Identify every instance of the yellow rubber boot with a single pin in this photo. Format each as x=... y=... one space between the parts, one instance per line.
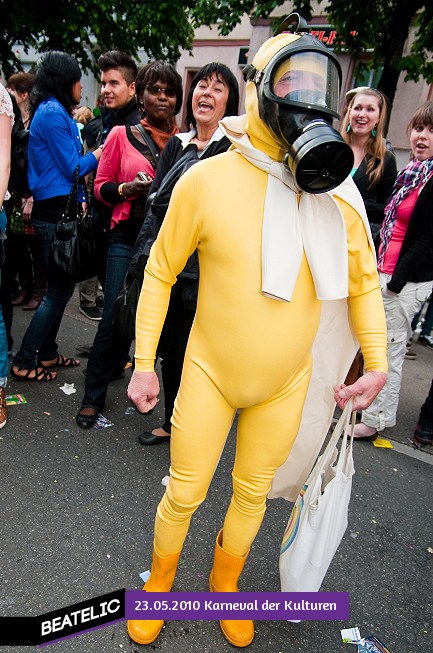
x=161 y=579
x=224 y=578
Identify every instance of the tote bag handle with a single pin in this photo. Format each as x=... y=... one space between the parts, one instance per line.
x=340 y=430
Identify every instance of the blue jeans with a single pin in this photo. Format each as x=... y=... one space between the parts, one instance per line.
x=39 y=342
x=109 y=352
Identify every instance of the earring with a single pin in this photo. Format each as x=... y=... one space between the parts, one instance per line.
x=374 y=132
x=348 y=128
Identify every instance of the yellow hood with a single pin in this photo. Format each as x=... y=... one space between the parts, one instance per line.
x=260 y=135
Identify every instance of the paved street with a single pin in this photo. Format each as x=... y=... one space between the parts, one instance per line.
x=77 y=510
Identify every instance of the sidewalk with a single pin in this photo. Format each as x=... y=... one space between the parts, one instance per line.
x=78 y=509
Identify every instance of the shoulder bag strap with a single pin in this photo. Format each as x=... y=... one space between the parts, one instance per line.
x=150 y=144
x=72 y=196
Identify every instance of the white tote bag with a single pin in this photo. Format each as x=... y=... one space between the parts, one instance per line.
x=319 y=517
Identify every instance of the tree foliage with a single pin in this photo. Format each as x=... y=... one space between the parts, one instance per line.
x=383 y=27
x=87 y=28
x=162 y=27
x=378 y=26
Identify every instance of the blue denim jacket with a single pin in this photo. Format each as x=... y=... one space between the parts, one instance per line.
x=54 y=152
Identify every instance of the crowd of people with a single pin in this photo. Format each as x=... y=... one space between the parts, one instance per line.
x=215 y=264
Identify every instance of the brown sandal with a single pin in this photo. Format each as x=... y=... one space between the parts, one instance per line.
x=40 y=374
x=60 y=361
x=3 y=408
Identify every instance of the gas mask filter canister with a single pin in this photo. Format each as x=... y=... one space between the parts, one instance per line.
x=318 y=157
x=298 y=95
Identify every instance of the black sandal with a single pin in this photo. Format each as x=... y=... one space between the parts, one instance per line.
x=41 y=374
x=61 y=361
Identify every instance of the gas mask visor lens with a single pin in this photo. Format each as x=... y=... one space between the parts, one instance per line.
x=306 y=79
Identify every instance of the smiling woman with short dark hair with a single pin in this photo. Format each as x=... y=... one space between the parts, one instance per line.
x=214 y=93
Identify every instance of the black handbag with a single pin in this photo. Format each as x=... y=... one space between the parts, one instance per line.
x=75 y=240
x=125 y=306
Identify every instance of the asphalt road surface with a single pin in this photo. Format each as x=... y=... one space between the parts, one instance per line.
x=77 y=511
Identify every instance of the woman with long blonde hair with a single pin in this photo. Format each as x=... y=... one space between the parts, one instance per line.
x=374 y=169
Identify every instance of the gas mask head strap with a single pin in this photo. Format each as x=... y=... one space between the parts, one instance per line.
x=293 y=19
x=250 y=73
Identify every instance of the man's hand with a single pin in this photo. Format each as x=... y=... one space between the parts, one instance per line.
x=363 y=391
x=143 y=390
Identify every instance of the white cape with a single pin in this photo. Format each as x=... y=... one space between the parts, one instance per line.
x=334 y=348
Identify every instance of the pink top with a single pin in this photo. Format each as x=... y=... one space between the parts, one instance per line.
x=404 y=212
x=119 y=163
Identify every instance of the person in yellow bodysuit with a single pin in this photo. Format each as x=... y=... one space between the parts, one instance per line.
x=271 y=253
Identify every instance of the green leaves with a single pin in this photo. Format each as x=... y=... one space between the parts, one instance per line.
x=86 y=29
x=163 y=27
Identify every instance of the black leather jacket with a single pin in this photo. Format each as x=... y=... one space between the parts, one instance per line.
x=172 y=155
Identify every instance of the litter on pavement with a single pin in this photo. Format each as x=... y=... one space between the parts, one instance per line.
x=102 y=422
x=12 y=400
x=383 y=443
x=68 y=388
x=369 y=644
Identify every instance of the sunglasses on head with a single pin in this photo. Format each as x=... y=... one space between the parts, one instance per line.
x=158 y=90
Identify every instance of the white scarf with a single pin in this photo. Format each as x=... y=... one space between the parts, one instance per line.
x=296 y=221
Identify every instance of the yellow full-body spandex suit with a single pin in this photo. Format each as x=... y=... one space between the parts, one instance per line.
x=246 y=351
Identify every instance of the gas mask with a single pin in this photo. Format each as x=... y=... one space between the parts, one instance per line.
x=298 y=95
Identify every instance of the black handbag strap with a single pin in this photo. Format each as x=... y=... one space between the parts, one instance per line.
x=149 y=142
x=72 y=196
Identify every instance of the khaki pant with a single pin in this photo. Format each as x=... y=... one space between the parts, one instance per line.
x=88 y=292
x=400 y=310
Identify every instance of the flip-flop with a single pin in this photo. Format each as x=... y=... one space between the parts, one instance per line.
x=41 y=374
x=61 y=361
